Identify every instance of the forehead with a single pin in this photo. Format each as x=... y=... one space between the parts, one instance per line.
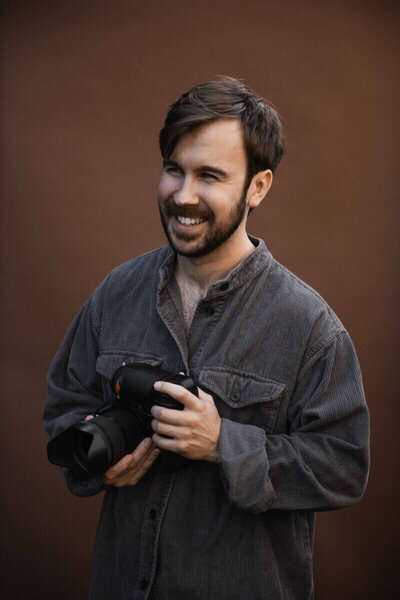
x=219 y=143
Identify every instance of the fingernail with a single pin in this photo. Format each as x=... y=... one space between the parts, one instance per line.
x=147 y=442
x=157 y=385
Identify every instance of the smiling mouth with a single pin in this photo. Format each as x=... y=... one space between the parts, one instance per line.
x=188 y=221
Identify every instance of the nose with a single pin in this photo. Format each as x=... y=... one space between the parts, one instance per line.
x=186 y=194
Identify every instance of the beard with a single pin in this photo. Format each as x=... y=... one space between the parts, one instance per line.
x=215 y=235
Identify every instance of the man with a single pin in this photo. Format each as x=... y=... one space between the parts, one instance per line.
x=279 y=429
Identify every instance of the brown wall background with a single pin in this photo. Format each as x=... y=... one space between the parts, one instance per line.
x=84 y=89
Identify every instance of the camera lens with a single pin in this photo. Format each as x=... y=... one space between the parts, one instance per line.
x=86 y=449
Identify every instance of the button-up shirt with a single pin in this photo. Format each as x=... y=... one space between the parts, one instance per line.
x=294 y=434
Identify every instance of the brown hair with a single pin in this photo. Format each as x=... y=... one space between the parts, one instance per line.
x=227 y=98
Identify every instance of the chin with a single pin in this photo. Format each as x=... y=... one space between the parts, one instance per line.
x=187 y=249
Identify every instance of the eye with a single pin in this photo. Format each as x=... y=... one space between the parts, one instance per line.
x=173 y=170
x=209 y=176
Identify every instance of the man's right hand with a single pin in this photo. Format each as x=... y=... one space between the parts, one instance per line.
x=131 y=468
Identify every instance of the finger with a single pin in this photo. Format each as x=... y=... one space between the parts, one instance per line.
x=170 y=415
x=143 y=449
x=178 y=392
x=204 y=396
x=133 y=471
x=119 y=468
x=171 y=444
x=172 y=431
x=145 y=466
x=130 y=460
x=132 y=476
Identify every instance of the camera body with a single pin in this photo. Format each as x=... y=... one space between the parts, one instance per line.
x=89 y=448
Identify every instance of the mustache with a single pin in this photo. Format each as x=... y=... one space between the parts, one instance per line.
x=172 y=209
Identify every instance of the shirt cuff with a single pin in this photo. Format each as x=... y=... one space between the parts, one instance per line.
x=87 y=487
x=244 y=466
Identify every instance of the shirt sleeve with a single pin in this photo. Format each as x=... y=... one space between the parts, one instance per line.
x=74 y=388
x=322 y=462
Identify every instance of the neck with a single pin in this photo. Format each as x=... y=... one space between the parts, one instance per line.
x=204 y=270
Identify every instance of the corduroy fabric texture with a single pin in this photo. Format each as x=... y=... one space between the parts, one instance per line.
x=294 y=437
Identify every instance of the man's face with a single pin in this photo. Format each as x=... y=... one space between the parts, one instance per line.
x=201 y=195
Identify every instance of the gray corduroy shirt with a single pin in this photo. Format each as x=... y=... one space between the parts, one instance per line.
x=294 y=435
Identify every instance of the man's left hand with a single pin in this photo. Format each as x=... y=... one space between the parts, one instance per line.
x=193 y=431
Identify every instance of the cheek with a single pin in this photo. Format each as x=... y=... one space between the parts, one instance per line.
x=209 y=194
x=216 y=200
x=167 y=187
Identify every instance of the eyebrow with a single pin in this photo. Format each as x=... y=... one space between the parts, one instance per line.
x=208 y=168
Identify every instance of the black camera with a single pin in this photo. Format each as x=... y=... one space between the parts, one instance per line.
x=89 y=448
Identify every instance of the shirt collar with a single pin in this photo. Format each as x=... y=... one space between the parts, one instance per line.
x=246 y=270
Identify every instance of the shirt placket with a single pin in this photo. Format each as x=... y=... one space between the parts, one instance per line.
x=155 y=508
x=163 y=481
x=204 y=324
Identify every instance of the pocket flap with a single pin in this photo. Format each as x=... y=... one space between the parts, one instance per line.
x=239 y=388
x=108 y=362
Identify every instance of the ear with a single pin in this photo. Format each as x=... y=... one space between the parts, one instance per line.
x=259 y=187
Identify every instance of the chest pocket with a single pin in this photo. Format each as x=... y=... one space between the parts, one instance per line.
x=108 y=362
x=243 y=397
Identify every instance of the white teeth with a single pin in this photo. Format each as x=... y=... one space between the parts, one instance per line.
x=188 y=221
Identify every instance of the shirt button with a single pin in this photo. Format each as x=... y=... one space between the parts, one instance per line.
x=235 y=397
x=143 y=583
x=152 y=514
x=224 y=286
x=209 y=310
